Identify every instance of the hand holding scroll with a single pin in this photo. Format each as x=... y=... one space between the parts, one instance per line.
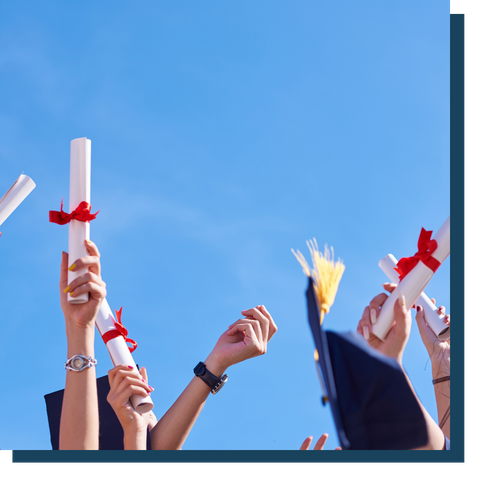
x=438 y=349
x=398 y=335
x=82 y=315
x=124 y=382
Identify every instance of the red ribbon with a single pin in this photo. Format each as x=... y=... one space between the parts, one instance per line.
x=81 y=213
x=426 y=248
x=119 y=330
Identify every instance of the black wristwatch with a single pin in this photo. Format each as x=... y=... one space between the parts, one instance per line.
x=215 y=383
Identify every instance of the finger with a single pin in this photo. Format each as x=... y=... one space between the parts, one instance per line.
x=250 y=339
x=96 y=291
x=376 y=304
x=234 y=327
x=115 y=371
x=261 y=319
x=123 y=396
x=63 y=280
x=244 y=327
x=400 y=316
x=389 y=287
x=446 y=320
x=365 y=323
x=338 y=448
x=89 y=262
x=378 y=300
x=272 y=325
x=85 y=283
x=321 y=442
x=84 y=278
x=426 y=333
x=306 y=443
x=433 y=301
x=92 y=248
x=130 y=389
x=132 y=380
x=441 y=310
x=144 y=375
x=400 y=308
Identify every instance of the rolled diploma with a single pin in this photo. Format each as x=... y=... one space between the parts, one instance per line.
x=15 y=196
x=120 y=354
x=413 y=284
x=79 y=190
x=432 y=317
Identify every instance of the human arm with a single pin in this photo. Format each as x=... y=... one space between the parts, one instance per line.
x=79 y=427
x=124 y=381
x=244 y=339
x=393 y=346
x=439 y=354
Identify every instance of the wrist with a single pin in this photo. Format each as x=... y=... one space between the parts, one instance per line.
x=439 y=367
x=83 y=347
x=215 y=365
x=134 y=439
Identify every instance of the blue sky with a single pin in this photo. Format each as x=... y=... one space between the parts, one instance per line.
x=223 y=135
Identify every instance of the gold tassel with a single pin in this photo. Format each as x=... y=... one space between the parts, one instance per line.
x=326 y=275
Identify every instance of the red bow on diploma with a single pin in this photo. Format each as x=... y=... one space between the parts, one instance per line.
x=120 y=330
x=426 y=248
x=81 y=213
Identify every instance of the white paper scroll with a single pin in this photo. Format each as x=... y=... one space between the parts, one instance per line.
x=15 y=196
x=432 y=317
x=120 y=354
x=79 y=190
x=413 y=284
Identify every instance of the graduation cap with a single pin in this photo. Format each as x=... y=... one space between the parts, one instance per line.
x=110 y=429
x=372 y=404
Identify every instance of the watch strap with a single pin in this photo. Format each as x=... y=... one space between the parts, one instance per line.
x=215 y=383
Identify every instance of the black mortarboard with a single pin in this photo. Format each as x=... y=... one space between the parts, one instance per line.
x=110 y=429
x=372 y=404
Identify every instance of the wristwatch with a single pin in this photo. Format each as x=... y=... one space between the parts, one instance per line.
x=79 y=362
x=215 y=383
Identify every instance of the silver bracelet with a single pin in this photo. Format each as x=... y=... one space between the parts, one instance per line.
x=79 y=362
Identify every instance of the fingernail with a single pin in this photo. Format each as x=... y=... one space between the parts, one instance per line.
x=71 y=294
x=366 y=332
x=88 y=241
x=70 y=268
x=402 y=299
x=143 y=380
x=130 y=367
x=66 y=290
x=151 y=388
x=373 y=316
x=419 y=308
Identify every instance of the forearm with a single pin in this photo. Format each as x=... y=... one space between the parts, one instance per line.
x=172 y=430
x=79 y=428
x=174 y=427
x=435 y=436
x=442 y=392
x=134 y=440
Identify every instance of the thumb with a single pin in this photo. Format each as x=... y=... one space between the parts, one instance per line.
x=400 y=310
x=426 y=333
x=63 y=280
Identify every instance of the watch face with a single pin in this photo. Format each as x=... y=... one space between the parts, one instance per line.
x=77 y=363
